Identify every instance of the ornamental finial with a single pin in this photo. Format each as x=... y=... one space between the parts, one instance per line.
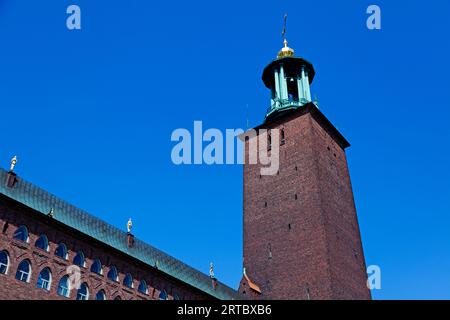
x=13 y=164
x=285 y=51
x=283 y=33
x=129 y=225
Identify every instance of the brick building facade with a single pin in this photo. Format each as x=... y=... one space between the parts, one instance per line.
x=49 y=234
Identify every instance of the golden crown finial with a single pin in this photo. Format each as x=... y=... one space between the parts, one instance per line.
x=285 y=51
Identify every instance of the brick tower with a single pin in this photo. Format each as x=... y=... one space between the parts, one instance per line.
x=301 y=233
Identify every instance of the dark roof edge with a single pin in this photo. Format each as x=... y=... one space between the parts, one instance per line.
x=279 y=117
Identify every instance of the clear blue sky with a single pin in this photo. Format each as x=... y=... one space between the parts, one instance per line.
x=89 y=114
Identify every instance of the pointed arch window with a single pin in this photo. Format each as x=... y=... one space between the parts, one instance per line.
x=4 y=262
x=42 y=242
x=97 y=267
x=83 y=292
x=24 y=271
x=100 y=295
x=61 y=251
x=143 y=287
x=64 y=287
x=21 y=234
x=163 y=295
x=44 y=279
x=79 y=259
x=112 y=274
x=128 y=281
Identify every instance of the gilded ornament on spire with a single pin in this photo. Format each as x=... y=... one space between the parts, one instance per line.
x=285 y=51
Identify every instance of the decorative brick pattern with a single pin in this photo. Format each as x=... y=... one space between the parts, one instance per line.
x=13 y=214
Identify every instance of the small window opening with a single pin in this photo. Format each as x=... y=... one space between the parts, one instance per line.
x=5 y=227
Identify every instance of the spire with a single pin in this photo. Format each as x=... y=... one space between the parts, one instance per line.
x=288 y=77
x=285 y=51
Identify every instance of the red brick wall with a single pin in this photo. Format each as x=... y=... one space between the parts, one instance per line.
x=16 y=215
x=301 y=235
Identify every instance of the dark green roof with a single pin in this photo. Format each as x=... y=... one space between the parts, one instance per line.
x=42 y=201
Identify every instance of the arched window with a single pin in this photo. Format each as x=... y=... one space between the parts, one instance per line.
x=42 y=243
x=83 y=292
x=100 y=295
x=163 y=295
x=4 y=262
x=118 y=298
x=21 y=234
x=61 y=251
x=64 y=287
x=97 y=267
x=24 y=271
x=79 y=259
x=143 y=287
x=128 y=281
x=112 y=274
x=282 y=136
x=45 y=279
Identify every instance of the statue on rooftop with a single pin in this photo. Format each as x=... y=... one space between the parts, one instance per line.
x=13 y=163
x=129 y=225
x=211 y=270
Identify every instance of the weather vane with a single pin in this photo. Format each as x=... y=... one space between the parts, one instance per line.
x=283 y=33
